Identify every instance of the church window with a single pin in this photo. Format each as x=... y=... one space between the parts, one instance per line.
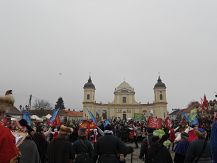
x=88 y=96
x=161 y=97
x=124 y=99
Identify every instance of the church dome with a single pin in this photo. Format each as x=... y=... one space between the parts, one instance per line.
x=159 y=84
x=124 y=86
x=89 y=84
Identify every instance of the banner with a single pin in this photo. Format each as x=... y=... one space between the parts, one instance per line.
x=139 y=117
x=154 y=122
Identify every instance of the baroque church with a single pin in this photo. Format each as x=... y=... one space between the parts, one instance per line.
x=124 y=105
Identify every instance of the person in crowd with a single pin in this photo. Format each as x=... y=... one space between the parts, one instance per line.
x=213 y=141
x=28 y=148
x=8 y=150
x=108 y=148
x=60 y=149
x=40 y=141
x=158 y=152
x=181 y=148
x=82 y=148
x=146 y=143
x=199 y=150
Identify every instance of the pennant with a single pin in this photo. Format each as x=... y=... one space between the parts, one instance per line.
x=26 y=116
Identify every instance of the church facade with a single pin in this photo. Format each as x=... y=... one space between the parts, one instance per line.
x=124 y=105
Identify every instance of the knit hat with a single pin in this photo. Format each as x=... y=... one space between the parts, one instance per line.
x=64 y=130
x=184 y=135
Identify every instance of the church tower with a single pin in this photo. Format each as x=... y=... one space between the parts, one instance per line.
x=89 y=92
x=160 y=99
x=160 y=91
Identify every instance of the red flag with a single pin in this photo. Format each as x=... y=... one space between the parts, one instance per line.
x=168 y=122
x=56 y=122
x=154 y=122
x=205 y=102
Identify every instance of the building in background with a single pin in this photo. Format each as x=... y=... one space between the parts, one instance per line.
x=124 y=105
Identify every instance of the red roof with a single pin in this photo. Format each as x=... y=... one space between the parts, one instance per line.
x=69 y=113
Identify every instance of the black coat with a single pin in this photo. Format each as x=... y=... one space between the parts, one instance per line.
x=158 y=153
x=59 y=151
x=107 y=149
x=83 y=151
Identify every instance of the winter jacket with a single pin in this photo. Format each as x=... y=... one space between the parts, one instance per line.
x=194 y=151
x=158 y=153
x=107 y=149
x=83 y=151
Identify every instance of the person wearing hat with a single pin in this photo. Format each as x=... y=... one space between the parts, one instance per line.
x=199 y=150
x=8 y=150
x=28 y=148
x=60 y=149
x=82 y=148
x=181 y=148
x=157 y=152
x=109 y=148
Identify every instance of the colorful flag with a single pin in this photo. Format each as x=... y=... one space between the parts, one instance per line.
x=57 y=122
x=185 y=116
x=139 y=117
x=26 y=116
x=92 y=116
x=55 y=113
x=154 y=122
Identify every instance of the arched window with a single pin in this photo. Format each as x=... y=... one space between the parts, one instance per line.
x=88 y=96
x=161 y=97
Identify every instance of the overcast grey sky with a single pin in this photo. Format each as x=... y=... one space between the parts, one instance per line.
x=112 y=39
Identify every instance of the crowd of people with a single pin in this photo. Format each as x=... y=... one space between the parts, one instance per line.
x=43 y=143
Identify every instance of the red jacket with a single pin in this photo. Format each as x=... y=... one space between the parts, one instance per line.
x=8 y=149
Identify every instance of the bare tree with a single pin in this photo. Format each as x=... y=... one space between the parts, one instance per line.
x=41 y=104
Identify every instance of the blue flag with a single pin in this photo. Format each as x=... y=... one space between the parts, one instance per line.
x=26 y=116
x=194 y=121
x=55 y=112
x=92 y=116
x=185 y=116
x=107 y=122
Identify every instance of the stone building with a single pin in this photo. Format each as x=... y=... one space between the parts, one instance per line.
x=124 y=104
